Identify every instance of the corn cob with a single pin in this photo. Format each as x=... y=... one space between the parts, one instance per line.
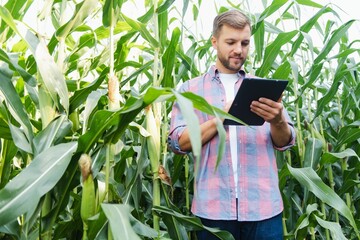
x=88 y=201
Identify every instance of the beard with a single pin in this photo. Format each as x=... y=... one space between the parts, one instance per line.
x=231 y=66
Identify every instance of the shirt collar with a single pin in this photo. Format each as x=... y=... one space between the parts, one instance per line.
x=214 y=73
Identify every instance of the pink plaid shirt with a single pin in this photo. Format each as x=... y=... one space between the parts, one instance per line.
x=258 y=191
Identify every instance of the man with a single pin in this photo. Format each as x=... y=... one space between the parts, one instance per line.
x=242 y=196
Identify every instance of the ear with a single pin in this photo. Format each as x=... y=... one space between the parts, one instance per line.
x=214 y=42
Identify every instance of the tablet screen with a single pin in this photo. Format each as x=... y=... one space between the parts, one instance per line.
x=252 y=89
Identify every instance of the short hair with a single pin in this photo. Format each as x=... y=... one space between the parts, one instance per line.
x=233 y=18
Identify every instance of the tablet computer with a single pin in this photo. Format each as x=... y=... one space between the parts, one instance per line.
x=252 y=89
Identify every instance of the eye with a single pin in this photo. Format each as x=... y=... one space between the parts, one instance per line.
x=245 y=43
x=230 y=43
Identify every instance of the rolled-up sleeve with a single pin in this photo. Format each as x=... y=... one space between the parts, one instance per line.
x=177 y=126
x=291 y=142
x=173 y=140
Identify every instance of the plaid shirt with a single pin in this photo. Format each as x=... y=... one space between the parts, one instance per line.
x=257 y=184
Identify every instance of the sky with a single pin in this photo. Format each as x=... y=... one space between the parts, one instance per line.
x=347 y=9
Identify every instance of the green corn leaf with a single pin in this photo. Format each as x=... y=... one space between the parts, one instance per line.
x=23 y=192
x=334 y=227
x=275 y=5
x=313 y=74
x=142 y=229
x=335 y=38
x=222 y=142
x=82 y=11
x=165 y=6
x=345 y=53
x=329 y=96
x=140 y=27
x=187 y=62
x=12 y=228
x=163 y=28
x=20 y=139
x=307 y=27
x=50 y=72
x=168 y=59
x=142 y=69
x=103 y=32
x=330 y=158
x=313 y=151
x=15 y=105
x=259 y=37
x=304 y=221
x=309 y=3
x=192 y=223
x=184 y=9
x=201 y=104
x=7 y=19
x=186 y=107
x=8 y=151
x=17 y=9
x=272 y=51
x=104 y=120
x=119 y=219
x=54 y=132
x=309 y=179
x=12 y=61
x=80 y=96
x=91 y=102
x=348 y=135
x=174 y=228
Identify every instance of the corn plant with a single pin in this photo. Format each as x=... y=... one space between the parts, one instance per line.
x=84 y=114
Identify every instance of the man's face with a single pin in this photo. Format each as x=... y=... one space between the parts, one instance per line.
x=232 y=46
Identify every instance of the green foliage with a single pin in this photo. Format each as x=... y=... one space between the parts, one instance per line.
x=54 y=106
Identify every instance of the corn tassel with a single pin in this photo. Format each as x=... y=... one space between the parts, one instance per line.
x=88 y=201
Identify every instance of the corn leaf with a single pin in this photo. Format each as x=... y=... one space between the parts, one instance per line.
x=140 y=27
x=330 y=158
x=187 y=110
x=334 y=227
x=51 y=75
x=80 y=96
x=335 y=38
x=15 y=105
x=164 y=6
x=118 y=121
x=273 y=50
x=348 y=135
x=23 y=192
x=168 y=59
x=82 y=11
x=309 y=3
x=54 y=132
x=313 y=151
x=259 y=37
x=192 y=223
x=8 y=151
x=28 y=78
x=274 y=7
x=307 y=27
x=119 y=220
x=14 y=10
x=309 y=179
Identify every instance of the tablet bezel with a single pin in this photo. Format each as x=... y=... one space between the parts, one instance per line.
x=252 y=89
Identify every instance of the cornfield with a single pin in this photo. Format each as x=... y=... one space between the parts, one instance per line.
x=85 y=100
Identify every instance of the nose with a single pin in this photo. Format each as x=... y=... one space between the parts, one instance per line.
x=238 y=48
